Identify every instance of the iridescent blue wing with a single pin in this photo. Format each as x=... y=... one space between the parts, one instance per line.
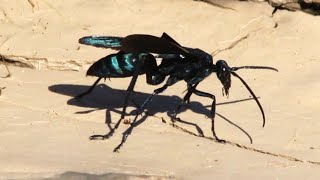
x=102 y=41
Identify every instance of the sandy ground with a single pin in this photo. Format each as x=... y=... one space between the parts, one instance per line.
x=44 y=131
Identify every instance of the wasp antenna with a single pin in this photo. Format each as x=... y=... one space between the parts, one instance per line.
x=253 y=67
x=253 y=95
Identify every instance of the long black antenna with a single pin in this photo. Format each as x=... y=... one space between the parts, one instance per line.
x=253 y=67
x=253 y=95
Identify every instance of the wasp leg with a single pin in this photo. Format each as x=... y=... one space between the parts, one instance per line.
x=213 y=110
x=186 y=100
x=134 y=123
x=128 y=132
x=133 y=81
x=153 y=76
x=90 y=89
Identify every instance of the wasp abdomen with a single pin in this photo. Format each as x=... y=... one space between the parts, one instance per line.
x=113 y=65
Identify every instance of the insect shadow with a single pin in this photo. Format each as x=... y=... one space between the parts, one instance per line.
x=105 y=97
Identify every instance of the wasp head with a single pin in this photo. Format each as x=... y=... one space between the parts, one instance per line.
x=223 y=73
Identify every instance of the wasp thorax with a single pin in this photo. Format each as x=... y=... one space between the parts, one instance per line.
x=223 y=73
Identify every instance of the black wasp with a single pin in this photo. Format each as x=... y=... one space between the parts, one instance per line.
x=135 y=57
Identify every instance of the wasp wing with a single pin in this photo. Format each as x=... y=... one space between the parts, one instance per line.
x=169 y=38
x=142 y=43
x=112 y=42
x=169 y=56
